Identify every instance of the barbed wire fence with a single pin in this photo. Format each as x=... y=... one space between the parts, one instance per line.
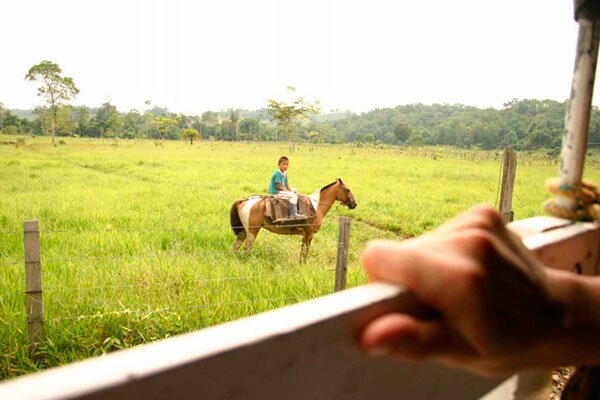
x=34 y=303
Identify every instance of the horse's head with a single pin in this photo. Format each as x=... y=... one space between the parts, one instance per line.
x=345 y=195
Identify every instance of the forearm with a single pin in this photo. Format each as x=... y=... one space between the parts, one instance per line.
x=578 y=332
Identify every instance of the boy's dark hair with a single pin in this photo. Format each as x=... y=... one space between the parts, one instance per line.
x=282 y=159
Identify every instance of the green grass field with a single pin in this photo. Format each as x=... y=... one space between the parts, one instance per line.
x=135 y=236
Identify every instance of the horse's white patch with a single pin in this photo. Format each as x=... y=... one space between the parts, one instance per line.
x=245 y=211
x=315 y=198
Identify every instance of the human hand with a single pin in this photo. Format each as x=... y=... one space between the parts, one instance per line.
x=498 y=308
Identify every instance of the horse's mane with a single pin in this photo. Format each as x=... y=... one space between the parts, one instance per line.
x=326 y=186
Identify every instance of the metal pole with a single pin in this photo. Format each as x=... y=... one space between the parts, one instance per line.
x=577 y=120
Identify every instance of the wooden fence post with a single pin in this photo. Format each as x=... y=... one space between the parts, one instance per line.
x=341 y=265
x=33 y=282
x=509 y=168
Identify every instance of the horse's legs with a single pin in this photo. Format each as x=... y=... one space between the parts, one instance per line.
x=250 y=238
x=305 y=246
x=238 y=241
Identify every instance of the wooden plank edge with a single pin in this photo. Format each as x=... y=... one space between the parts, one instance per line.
x=101 y=373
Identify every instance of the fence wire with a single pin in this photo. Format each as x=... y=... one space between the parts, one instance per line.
x=193 y=280
x=240 y=252
x=201 y=281
x=2 y=232
x=168 y=309
x=187 y=229
x=54 y=291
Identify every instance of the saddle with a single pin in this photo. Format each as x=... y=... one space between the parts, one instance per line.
x=278 y=213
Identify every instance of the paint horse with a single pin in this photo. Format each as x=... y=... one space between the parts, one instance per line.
x=248 y=216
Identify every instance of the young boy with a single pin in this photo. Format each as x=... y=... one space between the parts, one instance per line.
x=279 y=185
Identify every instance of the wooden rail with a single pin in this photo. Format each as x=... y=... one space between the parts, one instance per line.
x=307 y=350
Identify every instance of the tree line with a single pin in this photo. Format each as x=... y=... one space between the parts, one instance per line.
x=523 y=123
x=527 y=124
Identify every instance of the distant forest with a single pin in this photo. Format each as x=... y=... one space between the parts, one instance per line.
x=525 y=124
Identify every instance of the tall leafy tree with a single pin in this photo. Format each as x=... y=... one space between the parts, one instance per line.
x=54 y=88
x=287 y=114
x=83 y=120
x=234 y=117
x=167 y=127
x=190 y=134
x=3 y=113
x=133 y=124
x=402 y=131
x=107 y=120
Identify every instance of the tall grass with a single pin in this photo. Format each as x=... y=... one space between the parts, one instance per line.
x=135 y=236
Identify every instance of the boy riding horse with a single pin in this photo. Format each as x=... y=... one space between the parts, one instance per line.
x=280 y=186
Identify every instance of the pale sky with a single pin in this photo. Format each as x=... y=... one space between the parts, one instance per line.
x=192 y=56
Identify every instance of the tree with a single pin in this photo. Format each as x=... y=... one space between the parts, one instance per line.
x=10 y=130
x=107 y=120
x=286 y=114
x=250 y=127
x=415 y=140
x=64 y=123
x=402 y=131
x=191 y=134
x=210 y=124
x=83 y=121
x=234 y=116
x=167 y=127
x=54 y=88
x=3 y=113
x=133 y=124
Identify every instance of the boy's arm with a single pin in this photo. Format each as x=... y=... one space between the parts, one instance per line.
x=280 y=187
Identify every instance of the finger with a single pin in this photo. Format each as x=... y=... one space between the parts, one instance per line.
x=487 y=219
x=419 y=270
x=411 y=339
x=479 y=217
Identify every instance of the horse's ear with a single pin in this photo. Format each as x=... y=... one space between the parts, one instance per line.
x=340 y=181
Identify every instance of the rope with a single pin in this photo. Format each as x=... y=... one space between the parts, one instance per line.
x=586 y=196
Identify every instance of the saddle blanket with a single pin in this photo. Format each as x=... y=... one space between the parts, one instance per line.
x=277 y=208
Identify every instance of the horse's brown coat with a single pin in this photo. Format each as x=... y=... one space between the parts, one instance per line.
x=336 y=191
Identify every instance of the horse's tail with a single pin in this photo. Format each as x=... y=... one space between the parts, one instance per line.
x=234 y=218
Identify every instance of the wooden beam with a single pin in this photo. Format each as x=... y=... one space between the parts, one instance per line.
x=306 y=350
x=509 y=171
x=560 y=244
x=33 y=282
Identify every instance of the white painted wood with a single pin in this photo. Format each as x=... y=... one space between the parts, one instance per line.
x=304 y=351
x=560 y=244
x=577 y=121
x=573 y=247
x=531 y=226
x=504 y=391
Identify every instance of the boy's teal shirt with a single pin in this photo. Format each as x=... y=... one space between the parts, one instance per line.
x=277 y=177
